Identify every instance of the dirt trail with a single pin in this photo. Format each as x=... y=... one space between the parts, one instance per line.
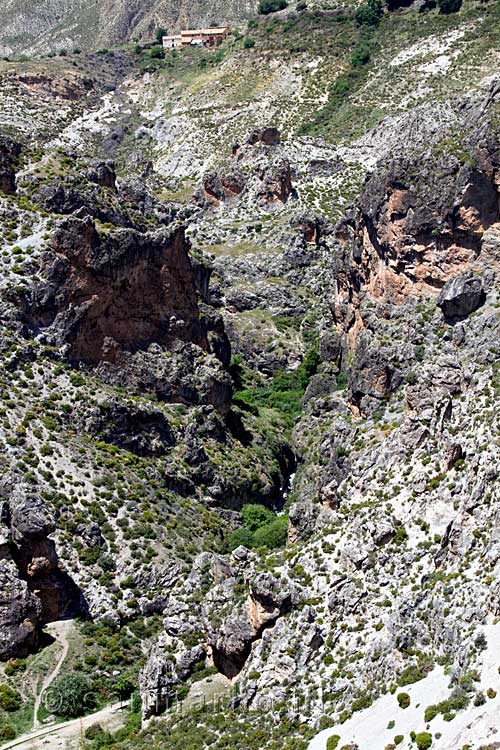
x=59 y=630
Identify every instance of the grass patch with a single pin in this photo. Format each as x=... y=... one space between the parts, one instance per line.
x=283 y=393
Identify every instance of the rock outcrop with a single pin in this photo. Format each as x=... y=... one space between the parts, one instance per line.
x=20 y=610
x=9 y=157
x=108 y=293
x=35 y=590
x=268 y=599
x=420 y=224
x=109 y=299
x=143 y=432
x=461 y=296
x=260 y=171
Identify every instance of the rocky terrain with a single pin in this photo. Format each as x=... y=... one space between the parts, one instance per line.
x=41 y=26
x=249 y=334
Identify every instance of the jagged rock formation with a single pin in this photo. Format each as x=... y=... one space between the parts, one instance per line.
x=420 y=223
x=34 y=589
x=141 y=431
x=92 y=282
x=259 y=173
x=228 y=634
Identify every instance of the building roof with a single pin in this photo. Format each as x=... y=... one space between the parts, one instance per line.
x=197 y=32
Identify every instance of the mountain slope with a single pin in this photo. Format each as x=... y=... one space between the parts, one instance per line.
x=40 y=26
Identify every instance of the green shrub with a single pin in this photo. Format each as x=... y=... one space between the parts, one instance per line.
x=370 y=13
x=283 y=393
x=271 y=6
x=480 y=699
x=360 y=55
x=457 y=701
x=398 y=739
x=430 y=713
x=332 y=742
x=7 y=732
x=262 y=528
x=403 y=700
x=249 y=43
x=412 y=674
x=256 y=516
x=160 y=33
x=93 y=731
x=363 y=701
x=157 y=53
x=15 y=665
x=69 y=695
x=240 y=537
x=401 y=535
x=272 y=535
x=423 y=740
x=10 y=700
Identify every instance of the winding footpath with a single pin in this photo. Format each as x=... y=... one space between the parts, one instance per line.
x=59 y=630
x=67 y=730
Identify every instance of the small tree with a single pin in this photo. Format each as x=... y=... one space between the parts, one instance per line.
x=157 y=53
x=370 y=13
x=70 y=696
x=10 y=700
x=160 y=33
x=271 y=6
x=124 y=686
x=255 y=516
x=272 y=535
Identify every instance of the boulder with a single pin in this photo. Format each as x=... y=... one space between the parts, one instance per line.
x=102 y=173
x=269 y=136
x=461 y=296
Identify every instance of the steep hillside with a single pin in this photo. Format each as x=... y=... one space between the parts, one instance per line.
x=40 y=26
x=249 y=325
